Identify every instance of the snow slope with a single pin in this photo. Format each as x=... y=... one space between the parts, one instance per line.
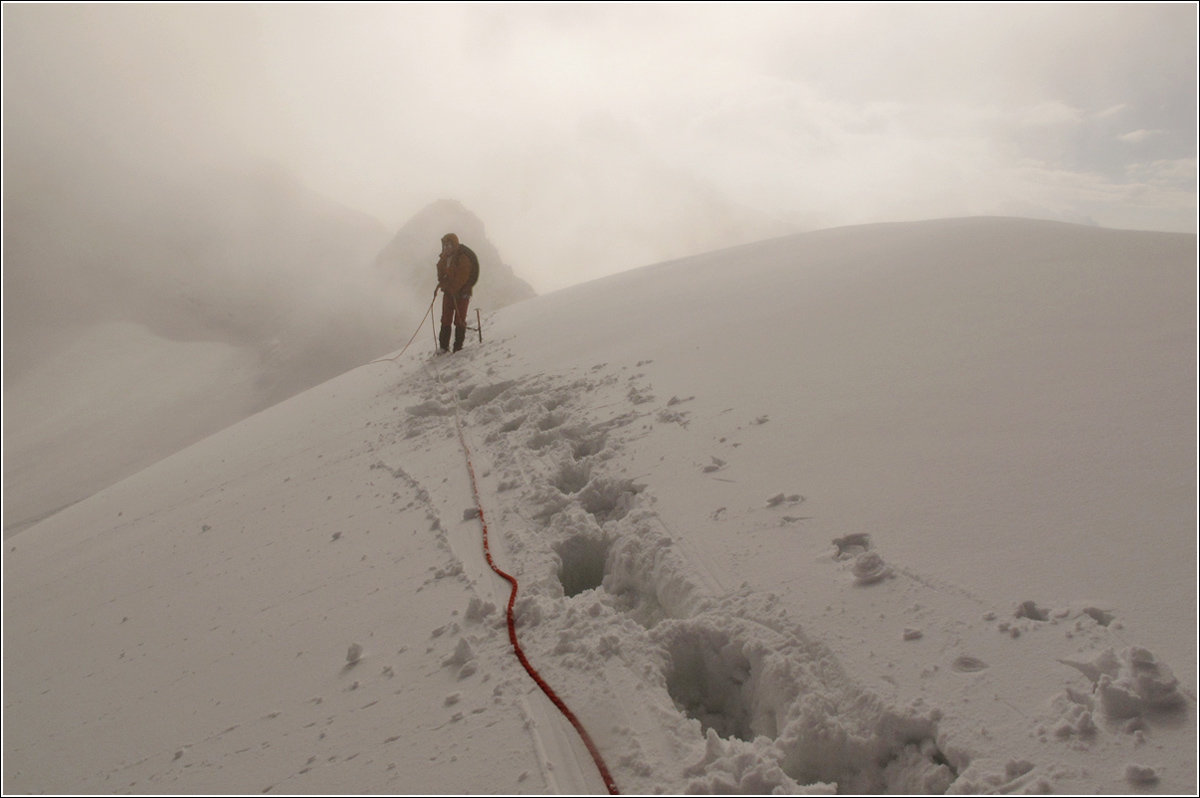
x=892 y=508
x=73 y=425
x=205 y=340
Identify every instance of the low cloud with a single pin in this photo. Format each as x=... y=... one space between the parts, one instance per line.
x=597 y=138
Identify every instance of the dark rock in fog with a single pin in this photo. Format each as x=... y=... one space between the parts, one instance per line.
x=410 y=257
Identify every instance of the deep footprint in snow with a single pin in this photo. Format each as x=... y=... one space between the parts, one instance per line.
x=572 y=477
x=586 y=444
x=773 y=702
x=582 y=561
x=712 y=678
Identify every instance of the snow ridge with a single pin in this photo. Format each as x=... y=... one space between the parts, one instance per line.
x=924 y=530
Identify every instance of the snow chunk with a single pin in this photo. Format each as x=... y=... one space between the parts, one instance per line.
x=608 y=499
x=1138 y=774
x=1030 y=610
x=851 y=545
x=478 y=609
x=485 y=393
x=1102 y=617
x=430 y=408
x=650 y=579
x=1074 y=715
x=869 y=568
x=1130 y=682
x=734 y=767
x=463 y=654
x=463 y=659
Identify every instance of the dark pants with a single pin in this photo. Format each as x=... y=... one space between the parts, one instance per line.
x=454 y=310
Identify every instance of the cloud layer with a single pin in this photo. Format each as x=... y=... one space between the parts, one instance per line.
x=596 y=138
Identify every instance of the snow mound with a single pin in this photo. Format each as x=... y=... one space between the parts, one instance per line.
x=1131 y=682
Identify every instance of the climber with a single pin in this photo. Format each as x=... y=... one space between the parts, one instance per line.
x=457 y=272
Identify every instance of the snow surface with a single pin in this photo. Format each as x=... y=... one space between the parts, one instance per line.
x=904 y=508
x=74 y=425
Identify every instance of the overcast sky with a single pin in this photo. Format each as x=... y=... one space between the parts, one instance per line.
x=595 y=138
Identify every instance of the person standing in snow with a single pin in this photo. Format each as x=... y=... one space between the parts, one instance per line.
x=457 y=271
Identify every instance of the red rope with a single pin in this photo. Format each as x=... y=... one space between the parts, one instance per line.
x=512 y=630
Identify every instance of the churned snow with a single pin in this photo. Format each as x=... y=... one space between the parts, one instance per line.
x=899 y=508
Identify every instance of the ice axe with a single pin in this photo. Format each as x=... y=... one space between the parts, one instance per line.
x=478 y=325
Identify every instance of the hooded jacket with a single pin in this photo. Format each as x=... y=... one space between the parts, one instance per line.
x=454 y=270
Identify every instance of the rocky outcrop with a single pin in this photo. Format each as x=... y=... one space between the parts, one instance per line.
x=409 y=259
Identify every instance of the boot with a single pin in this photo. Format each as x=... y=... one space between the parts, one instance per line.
x=444 y=338
x=459 y=334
